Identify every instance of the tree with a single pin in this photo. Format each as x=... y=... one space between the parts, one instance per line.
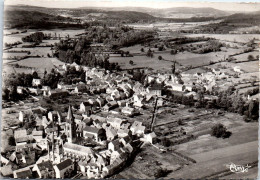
x=253 y=109
x=131 y=62
x=160 y=57
x=13 y=94
x=5 y=94
x=219 y=130
x=142 y=49
x=35 y=75
x=161 y=173
x=11 y=141
x=173 y=68
x=173 y=51
x=250 y=57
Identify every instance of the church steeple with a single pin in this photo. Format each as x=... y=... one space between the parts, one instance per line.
x=70 y=116
x=70 y=126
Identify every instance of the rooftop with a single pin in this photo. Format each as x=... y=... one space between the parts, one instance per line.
x=64 y=164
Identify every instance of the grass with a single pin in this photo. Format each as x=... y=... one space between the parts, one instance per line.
x=244 y=38
x=39 y=63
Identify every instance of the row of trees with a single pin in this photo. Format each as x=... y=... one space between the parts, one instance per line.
x=36 y=37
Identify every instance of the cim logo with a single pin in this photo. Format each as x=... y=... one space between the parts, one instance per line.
x=238 y=168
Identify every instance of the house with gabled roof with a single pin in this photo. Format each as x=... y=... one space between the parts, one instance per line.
x=111 y=133
x=44 y=170
x=24 y=173
x=114 y=145
x=63 y=167
x=137 y=128
x=85 y=106
x=93 y=133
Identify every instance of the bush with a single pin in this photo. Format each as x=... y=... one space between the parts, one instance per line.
x=161 y=173
x=250 y=57
x=160 y=57
x=219 y=130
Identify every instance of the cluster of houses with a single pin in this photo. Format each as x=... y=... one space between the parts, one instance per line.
x=64 y=144
x=90 y=139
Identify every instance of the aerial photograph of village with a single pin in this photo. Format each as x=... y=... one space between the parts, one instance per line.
x=130 y=90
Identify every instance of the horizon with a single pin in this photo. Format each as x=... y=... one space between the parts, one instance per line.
x=155 y=4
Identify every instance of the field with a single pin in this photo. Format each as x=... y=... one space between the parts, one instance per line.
x=40 y=64
x=243 y=38
x=244 y=56
x=212 y=155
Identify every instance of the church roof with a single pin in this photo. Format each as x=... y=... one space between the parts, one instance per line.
x=70 y=115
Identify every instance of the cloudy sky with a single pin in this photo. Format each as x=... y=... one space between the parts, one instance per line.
x=228 y=5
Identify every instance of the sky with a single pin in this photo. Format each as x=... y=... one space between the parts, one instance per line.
x=228 y=5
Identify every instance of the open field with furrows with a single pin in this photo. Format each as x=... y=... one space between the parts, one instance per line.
x=244 y=56
x=148 y=161
x=184 y=58
x=142 y=62
x=41 y=51
x=244 y=38
x=40 y=64
x=196 y=122
x=18 y=37
x=252 y=66
x=213 y=154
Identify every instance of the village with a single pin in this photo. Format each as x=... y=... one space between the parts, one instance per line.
x=123 y=94
x=95 y=138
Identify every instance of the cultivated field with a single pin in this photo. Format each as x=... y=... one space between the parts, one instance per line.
x=40 y=64
x=244 y=38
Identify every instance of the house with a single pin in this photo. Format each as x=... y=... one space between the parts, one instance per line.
x=44 y=170
x=56 y=93
x=128 y=111
x=4 y=160
x=25 y=115
x=101 y=102
x=36 y=82
x=111 y=105
x=24 y=173
x=125 y=140
x=111 y=133
x=123 y=133
x=85 y=107
x=97 y=117
x=115 y=122
x=93 y=133
x=80 y=89
x=114 y=145
x=155 y=90
x=20 y=89
x=137 y=128
x=46 y=88
x=18 y=134
x=151 y=137
x=36 y=91
x=7 y=170
x=138 y=100
x=160 y=102
x=177 y=87
x=63 y=167
x=37 y=135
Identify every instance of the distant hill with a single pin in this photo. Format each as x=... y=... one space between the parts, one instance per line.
x=187 y=12
x=240 y=18
x=178 y=12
